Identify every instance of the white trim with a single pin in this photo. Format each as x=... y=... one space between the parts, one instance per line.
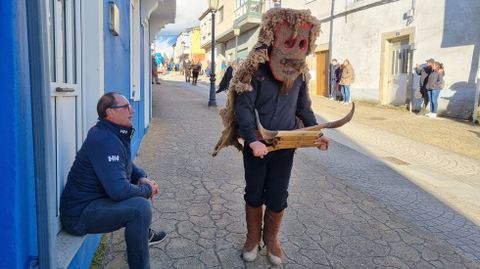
x=146 y=72
x=135 y=50
x=92 y=61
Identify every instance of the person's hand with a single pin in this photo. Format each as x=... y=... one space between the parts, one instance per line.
x=323 y=143
x=142 y=181
x=152 y=184
x=259 y=149
x=417 y=66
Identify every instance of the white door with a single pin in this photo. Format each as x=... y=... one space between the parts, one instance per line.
x=65 y=77
x=399 y=61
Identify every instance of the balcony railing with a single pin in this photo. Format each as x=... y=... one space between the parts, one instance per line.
x=249 y=12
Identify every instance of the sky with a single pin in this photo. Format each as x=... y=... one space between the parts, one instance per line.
x=187 y=14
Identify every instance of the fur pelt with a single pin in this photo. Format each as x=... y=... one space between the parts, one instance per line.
x=241 y=81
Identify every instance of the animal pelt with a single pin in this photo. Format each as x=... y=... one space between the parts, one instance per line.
x=241 y=81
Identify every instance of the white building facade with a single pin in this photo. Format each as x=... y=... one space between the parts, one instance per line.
x=384 y=40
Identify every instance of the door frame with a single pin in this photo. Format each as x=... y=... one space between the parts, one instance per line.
x=386 y=39
x=318 y=75
x=64 y=76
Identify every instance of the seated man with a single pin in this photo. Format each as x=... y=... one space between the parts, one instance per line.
x=105 y=191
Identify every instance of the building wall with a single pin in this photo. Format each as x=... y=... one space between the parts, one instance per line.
x=246 y=42
x=117 y=61
x=17 y=195
x=205 y=30
x=227 y=22
x=444 y=30
x=196 y=50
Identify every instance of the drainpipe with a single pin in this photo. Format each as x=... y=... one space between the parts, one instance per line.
x=412 y=76
x=42 y=133
x=330 y=39
x=477 y=95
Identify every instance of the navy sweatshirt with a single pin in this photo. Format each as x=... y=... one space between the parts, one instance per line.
x=103 y=169
x=277 y=111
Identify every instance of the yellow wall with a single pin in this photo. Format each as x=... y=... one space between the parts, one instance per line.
x=196 y=51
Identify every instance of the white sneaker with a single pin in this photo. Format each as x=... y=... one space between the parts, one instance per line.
x=433 y=115
x=428 y=114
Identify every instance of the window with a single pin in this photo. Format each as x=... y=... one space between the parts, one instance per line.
x=220 y=14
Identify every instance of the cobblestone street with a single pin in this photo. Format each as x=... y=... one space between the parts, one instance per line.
x=355 y=206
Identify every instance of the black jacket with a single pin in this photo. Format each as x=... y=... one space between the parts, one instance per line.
x=223 y=86
x=277 y=110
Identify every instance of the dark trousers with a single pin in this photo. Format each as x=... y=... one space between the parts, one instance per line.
x=425 y=97
x=194 y=77
x=105 y=215
x=267 y=179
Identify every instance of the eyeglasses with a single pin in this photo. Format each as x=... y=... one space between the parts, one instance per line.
x=123 y=106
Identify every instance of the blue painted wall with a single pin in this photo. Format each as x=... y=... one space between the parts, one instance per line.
x=117 y=66
x=17 y=195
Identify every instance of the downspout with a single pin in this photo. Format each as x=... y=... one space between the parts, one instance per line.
x=42 y=131
x=477 y=95
x=330 y=40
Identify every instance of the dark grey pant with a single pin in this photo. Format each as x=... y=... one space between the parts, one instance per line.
x=105 y=215
x=267 y=179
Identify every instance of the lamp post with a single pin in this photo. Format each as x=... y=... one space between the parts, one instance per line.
x=213 y=6
x=236 y=32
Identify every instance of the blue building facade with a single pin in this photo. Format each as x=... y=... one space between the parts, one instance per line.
x=59 y=57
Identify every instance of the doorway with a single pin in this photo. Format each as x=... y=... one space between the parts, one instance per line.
x=322 y=74
x=398 y=67
x=396 y=75
x=64 y=43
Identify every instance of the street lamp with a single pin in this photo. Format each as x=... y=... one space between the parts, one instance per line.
x=212 y=6
x=236 y=32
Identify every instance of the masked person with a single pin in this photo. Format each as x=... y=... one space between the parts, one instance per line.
x=272 y=80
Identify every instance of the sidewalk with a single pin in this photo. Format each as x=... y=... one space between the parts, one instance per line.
x=346 y=209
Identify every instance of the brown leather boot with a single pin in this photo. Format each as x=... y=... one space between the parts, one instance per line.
x=271 y=228
x=254 y=218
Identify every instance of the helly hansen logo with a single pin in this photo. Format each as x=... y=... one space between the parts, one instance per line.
x=113 y=158
x=123 y=131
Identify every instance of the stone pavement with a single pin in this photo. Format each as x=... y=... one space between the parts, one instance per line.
x=347 y=207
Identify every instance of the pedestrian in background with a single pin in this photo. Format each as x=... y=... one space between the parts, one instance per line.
x=334 y=66
x=223 y=86
x=347 y=78
x=196 y=67
x=154 y=71
x=434 y=85
x=424 y=72
x=186 y=68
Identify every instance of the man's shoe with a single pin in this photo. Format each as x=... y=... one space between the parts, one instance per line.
x=155 y=237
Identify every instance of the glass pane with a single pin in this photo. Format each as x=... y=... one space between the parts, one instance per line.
x=51 y=52
x=64 y=49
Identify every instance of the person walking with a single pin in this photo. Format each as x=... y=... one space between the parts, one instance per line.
x=196 y=67
x=347 y=78
x=154 y=71
x=434 y=85
x=223 y=86
x=187 y=69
